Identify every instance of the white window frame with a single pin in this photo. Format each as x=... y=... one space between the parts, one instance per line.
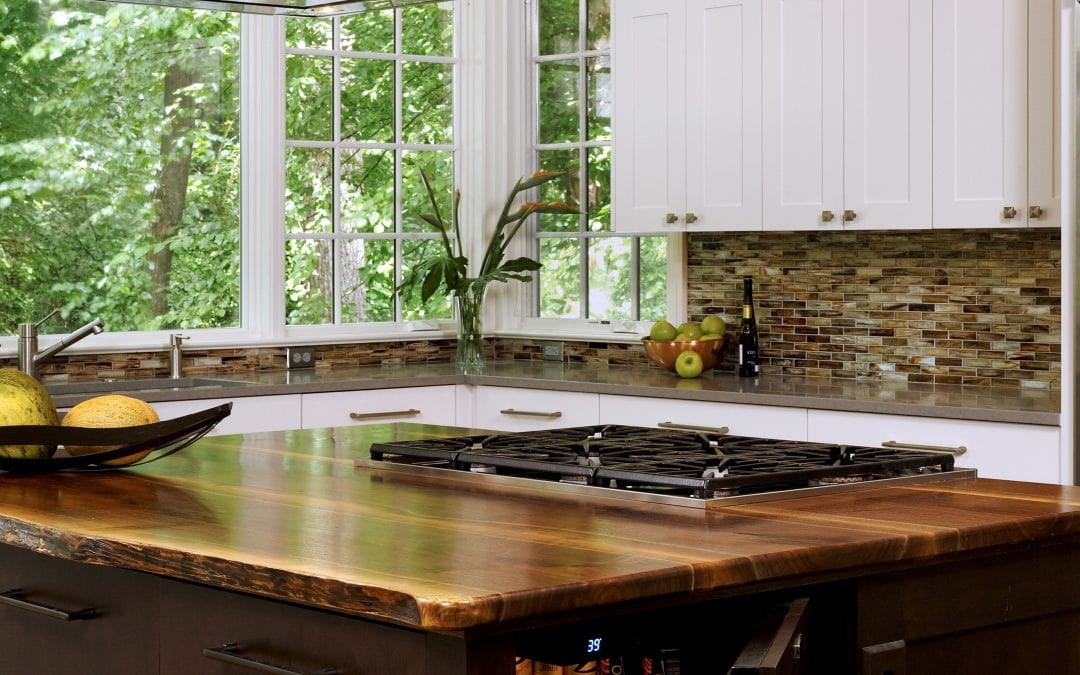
x=524 y=322
x=494 y=120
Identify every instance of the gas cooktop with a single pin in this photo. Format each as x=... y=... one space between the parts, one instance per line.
x=663 y=465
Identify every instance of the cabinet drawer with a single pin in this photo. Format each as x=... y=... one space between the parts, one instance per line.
x=427 y=405
x=250 y=414
x=120 y=636
x=509 y=409
x=199 y=621
x=1026 y=452
x=740 y=419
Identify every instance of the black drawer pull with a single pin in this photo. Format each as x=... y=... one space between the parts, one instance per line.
x=230 y=653
x=14 y=598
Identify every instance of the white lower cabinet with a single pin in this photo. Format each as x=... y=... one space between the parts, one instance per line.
x=511 y=409
x=423 y=405
x=249 y=413
x=1025 y=452
x=739 y=418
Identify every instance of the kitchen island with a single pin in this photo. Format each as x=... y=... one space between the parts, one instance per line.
x=277 y=545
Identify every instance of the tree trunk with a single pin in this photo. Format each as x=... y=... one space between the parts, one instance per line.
x=172 y=181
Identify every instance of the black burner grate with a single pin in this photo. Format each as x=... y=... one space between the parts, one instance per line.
x=697 y=464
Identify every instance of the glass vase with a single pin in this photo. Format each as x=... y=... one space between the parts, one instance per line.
x=470 y=337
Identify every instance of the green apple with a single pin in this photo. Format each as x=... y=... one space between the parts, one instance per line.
x=692 y=329
x=663 y=330
x=688 y=364
x=713 y=324
x=712 y=336
x=684 y=337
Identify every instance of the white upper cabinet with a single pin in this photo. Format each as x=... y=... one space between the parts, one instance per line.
x=687 y=129
x=804 y=114
x=995 y=114
x=723 y=115
x=888 y=132
x=829 y=114
x=847 y=109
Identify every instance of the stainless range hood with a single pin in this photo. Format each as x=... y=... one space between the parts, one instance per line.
x=312 y=8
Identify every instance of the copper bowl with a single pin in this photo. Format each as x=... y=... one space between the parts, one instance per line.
x=664 y=352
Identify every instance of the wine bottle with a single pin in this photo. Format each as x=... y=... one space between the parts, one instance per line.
x=748 y=335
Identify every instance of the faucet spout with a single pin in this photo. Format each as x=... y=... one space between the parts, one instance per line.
x=93 y=328
x=30 y=357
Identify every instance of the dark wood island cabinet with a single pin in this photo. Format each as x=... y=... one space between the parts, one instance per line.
x=272 y=551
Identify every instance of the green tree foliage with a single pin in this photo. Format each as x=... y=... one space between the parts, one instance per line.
x=119 y=159
x=367 y=176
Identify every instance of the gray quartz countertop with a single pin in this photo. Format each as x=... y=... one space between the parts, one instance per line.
x=946 y=401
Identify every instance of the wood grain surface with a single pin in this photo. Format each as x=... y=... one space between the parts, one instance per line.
x=286 y=515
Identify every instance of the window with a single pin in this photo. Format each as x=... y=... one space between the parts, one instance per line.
x=589 y=272
x=119 y=164
x=369 y=100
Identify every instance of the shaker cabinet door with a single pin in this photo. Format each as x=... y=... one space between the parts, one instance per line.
x=723 y=115
x=887 y=114
x=980 y=113
x=649 y=134
x=803 y=91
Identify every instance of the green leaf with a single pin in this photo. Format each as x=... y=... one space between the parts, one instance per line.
x=520 y=265
x=431 y=282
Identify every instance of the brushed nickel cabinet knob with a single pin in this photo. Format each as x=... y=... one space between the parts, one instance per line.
x=671 y=218
x=827 y=216
x=849 y=215
x=691 y=218
x=1009 y=212
x=1035 y=212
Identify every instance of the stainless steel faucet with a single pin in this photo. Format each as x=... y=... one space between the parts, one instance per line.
x=30 y=357
x=176 y=354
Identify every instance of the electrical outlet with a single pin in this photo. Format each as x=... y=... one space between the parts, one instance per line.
x=553 y=351
x=299 y=357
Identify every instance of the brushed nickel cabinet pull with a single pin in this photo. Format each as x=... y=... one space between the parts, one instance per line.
x=230 y=653
x=692 y=427
x=14 y=598
x=1035 y=212
x=530 y=413
x=691 y=218
x=956 y=450
x=827 y=216
x=671 y=218
x=1009 y=212
x=849 y=215
x=411 y=412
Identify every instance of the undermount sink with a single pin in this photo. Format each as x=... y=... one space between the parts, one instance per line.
x=102 y=387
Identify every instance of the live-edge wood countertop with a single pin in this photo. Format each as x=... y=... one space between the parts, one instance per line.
x=287 y=515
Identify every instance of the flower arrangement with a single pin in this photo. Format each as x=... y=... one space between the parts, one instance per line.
x=450 y=268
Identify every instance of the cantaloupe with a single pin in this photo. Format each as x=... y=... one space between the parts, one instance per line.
x=107 y=412
x=23 y=400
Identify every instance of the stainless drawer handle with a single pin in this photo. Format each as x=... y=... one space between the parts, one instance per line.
x=13 y=598
x=956 y=450
x=530 y=413
x=411 y=412
x=692 y=427
x=230 y=653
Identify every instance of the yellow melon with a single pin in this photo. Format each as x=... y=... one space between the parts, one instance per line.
x=24 y=401
x=107 y=412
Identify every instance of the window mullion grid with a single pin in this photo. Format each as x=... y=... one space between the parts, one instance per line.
x=583 y=158
x=399 y=229
x=336 y=243
x=635 y=278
